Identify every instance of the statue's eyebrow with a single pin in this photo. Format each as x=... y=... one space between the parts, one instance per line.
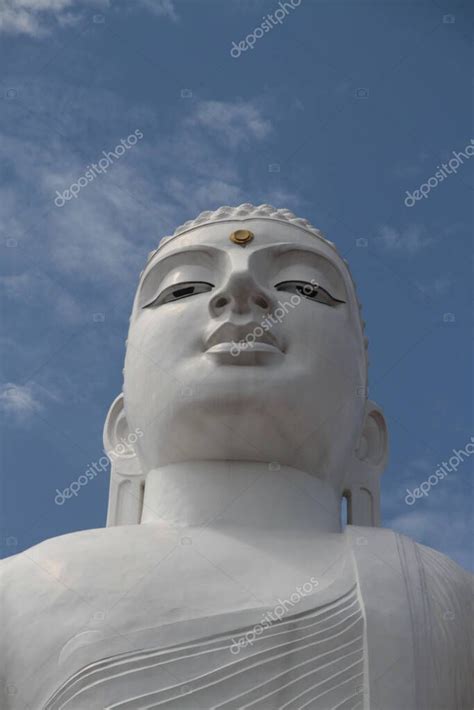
x=177 y=256
x=282 y=250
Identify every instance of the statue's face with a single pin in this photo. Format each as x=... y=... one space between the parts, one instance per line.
x=248 y=352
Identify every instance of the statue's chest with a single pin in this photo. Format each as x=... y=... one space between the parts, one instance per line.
x=311 y=659
x=305 y=649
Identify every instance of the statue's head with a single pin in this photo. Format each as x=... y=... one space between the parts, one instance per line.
x=246 y=343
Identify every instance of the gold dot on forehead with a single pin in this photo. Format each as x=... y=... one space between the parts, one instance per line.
x=241 y=236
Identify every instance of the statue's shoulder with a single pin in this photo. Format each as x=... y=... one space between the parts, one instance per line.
x=439 y=570
x=66 y=557
x=431 y=599
x=425 y=570
x=78 y=568
x=63 y=587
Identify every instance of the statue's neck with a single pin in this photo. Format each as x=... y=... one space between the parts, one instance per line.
x=223 y=494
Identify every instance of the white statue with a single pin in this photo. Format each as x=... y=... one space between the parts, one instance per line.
x=224 y=578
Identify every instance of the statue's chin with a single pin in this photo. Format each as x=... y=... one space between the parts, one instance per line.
x=218 y=434
x=282 y=413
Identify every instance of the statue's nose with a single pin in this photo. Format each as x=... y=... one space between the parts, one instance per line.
x=240 y=294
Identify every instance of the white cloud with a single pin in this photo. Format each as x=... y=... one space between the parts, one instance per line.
x=37 y=291
x=410 y=240
x=161 y=8
x=411 y=170
x=31 y=17
x=236 y=123
x=14 y=20
x=438 y=287
x=36 y=17
x=22 y=402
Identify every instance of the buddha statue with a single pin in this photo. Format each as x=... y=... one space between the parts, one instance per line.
x=225 y=577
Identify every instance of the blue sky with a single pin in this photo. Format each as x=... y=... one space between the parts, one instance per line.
x=350 y=103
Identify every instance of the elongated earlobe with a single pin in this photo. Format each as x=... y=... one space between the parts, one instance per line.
x=370 y=458
x=126 y=478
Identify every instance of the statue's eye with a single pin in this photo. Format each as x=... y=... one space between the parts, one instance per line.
x=311 y=291
x=178 y=291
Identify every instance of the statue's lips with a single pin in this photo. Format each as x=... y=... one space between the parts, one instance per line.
x=241 y=338
x=237 y=348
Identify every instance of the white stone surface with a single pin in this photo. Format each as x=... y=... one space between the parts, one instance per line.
x=224 y=578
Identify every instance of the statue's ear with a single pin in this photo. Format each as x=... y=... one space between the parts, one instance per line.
x=372 y=450
x=126 y=476
x=369 y=461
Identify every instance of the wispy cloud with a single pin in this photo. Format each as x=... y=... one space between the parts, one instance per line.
x=438 y=287
x=412 y=169
x=22 y=402
x=161 y=8
x=37 y=291
x=409 y=241
x=38 y=18
x=236 y=123
x=35 y=17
